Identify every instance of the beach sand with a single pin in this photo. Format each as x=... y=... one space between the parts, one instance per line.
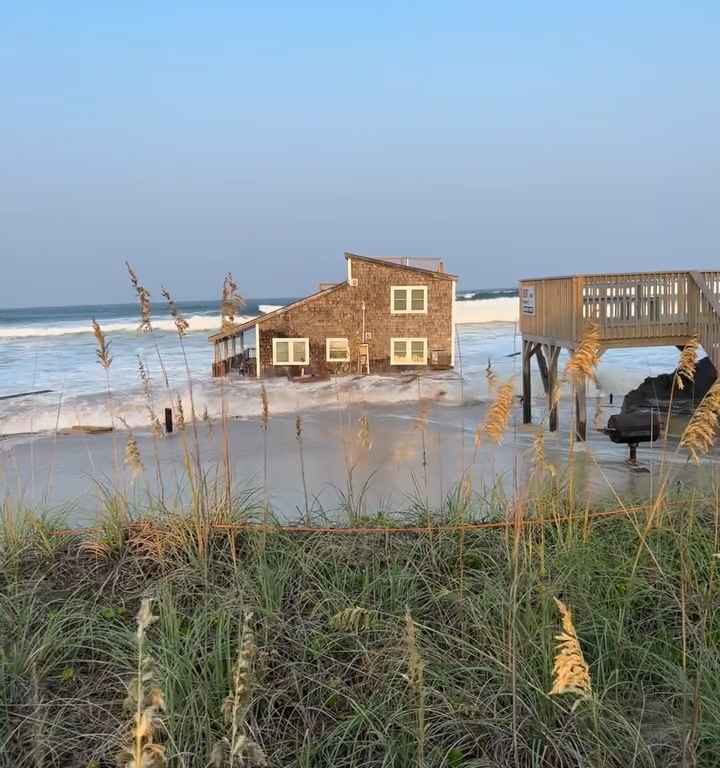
x=67 y=471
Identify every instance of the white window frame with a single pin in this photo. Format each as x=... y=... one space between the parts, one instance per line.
x=345 y=359
x=408 y=289
x=407 y=360
x=290 y=341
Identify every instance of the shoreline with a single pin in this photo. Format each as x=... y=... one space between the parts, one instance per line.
x=413 y=451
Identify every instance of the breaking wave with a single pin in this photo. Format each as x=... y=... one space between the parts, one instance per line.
x=490 y=310
x=197 y=323
x=234 y=398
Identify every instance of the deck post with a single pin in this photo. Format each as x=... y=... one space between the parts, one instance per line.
x=542 y=365
x=548 y=360
x=553 y=384
x=580 y=411
x=547 y=357
x=528 y=347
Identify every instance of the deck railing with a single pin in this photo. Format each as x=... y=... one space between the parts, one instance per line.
x=423 y=262
x=629 y=308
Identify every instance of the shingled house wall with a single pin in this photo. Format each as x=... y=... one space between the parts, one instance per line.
x=338 y=313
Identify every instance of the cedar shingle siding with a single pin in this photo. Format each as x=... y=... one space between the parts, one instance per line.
x=339 y=314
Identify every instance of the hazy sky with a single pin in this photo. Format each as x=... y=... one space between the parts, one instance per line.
x=512 y=139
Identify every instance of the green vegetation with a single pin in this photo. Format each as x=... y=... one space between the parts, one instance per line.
x=383 y=649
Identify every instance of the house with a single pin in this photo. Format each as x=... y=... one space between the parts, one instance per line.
x=388 y=315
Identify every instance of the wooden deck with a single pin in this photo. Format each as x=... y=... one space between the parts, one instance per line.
x=634 y=309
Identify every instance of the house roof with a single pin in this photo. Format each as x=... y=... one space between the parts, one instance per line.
x=230 y=331
x=389 y=263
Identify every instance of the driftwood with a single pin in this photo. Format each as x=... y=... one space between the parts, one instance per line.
x=86 y=429
x=25 y=394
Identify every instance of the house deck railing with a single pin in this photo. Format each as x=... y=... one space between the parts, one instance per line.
x=629 y=309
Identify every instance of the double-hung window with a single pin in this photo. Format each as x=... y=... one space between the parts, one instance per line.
x=408 y=299
x=337 y=350
x=291 y=351
x=408 y=351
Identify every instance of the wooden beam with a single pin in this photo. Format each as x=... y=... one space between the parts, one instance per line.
x=580 y=412
x=553 y=354
x=543 y=366
x=527 y=353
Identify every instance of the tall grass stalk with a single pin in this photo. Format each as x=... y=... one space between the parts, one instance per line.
x=301 y=456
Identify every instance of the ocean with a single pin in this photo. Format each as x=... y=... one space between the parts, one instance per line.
x=53 y=348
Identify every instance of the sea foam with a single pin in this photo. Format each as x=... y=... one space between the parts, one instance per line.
x=472 y=311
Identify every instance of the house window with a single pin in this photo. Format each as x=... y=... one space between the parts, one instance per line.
x=291 y=351
x=408 y=299
x=408 y=351
x=337 y=350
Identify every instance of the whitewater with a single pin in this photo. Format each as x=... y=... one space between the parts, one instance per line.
x=54 y=349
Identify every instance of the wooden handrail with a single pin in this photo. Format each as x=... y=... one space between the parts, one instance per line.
x=660 y=308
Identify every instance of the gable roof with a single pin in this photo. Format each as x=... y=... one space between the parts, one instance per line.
x=248 y=324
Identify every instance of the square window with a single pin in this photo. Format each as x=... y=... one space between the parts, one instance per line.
x=408 y=299
x=291 y=351
x=337 y=350
x=408 y=351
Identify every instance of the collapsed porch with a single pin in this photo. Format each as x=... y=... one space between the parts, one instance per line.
x=230 y=352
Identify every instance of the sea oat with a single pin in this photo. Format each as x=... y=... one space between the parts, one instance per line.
x=490 y=376
x=180 y=415
x=701 y=431
x=143 y=298
x=145 y=699
x=416 y=681
x=570 y=671
x=265 y=408
x=355 y=619
x=230 y=302
x=157 y=429
x=181 y=324
x=540 y=464
x=499 y=413
x=103 y=346
x=132 y=456
x=687 y=363
x=363 y=434
x=584 y=360
x=237 y=748
x=207 y=420
x=145 y=378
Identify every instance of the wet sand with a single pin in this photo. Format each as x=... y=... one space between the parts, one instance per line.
x=66 y=471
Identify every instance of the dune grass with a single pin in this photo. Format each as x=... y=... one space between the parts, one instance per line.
x=172 y=636
x=341 y=626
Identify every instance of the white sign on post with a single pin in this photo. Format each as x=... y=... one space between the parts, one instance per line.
x=527 y=299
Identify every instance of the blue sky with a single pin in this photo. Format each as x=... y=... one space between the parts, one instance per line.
x=511 y=139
